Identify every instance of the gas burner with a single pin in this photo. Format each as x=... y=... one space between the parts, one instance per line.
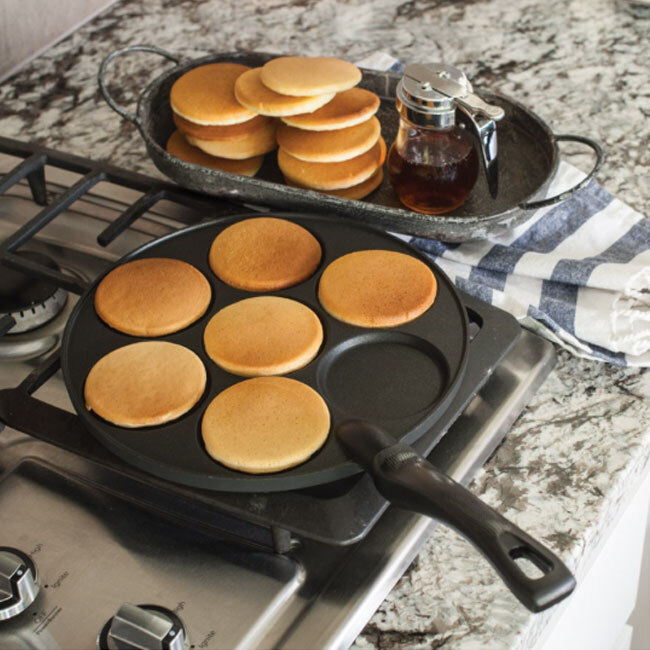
x=31 y=302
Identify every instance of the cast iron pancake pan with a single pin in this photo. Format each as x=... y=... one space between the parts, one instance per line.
x=400 y=379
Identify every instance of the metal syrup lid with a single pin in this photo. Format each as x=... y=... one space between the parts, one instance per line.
x=428 y=95
x=418 y=99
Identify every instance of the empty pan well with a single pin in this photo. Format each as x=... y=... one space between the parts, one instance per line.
x=383 y=376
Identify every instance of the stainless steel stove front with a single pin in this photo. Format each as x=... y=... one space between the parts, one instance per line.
x=94 y=551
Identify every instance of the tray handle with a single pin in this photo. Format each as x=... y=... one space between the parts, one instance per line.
x=552 y=200
x=114 y=55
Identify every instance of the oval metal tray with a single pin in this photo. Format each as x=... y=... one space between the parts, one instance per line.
x=528 y=159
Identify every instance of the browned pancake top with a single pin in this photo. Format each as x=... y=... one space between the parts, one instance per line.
x=309 y=75
x=377 y=288
x=264 y=254
x=252 y=93
x=265 y=335
x=152 y=296
x=205 y=95
x=145 y=383
x=265 y=424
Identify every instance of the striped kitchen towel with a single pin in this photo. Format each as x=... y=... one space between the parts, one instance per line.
x=577 y=272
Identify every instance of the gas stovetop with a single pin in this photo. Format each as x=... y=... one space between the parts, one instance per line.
x=299 y=569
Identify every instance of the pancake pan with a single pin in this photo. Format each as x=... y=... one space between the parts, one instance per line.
x=384 y=389
x=400 y=379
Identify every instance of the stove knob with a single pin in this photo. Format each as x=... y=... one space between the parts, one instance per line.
x=145 y=627
x=18 y=582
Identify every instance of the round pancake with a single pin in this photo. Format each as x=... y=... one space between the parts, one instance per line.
x=348 y=108
x=205 y=95
x=307 y=75
x=178 y=146
x=265 y=335
x=232 y=132
x=356 y=191
x=256 y=143
x=152 y=296
x=333 y=176
x=252 y=93
x=264 y=254
x=144 y=384
x=377 y=288
x=329 y=146
x=265 y=424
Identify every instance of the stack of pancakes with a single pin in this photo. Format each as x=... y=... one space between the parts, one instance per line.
x=329 y=139
x=214 y=129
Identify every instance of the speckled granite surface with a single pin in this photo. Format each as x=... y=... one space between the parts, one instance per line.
x=578 y=450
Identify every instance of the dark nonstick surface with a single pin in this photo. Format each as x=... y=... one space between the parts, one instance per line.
x=400 y=379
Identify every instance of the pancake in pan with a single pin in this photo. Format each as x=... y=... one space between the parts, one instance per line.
x=265 y=335
x=265 y=424
x=145 y=384
x=152 y=296
x=264 y=254
x=377 y=288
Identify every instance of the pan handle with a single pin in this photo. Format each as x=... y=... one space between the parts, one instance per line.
x=552 y=200
x=114 y=55
x=409 y=481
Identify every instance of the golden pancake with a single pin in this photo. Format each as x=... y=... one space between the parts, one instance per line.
x=309 y=75
x=348 y=108
x=253 y=94
x=265 y=424
x=265 y=335
x=178 y=146
x=356 y=191
x=264 y=254
x=144 y=384
x=205 y=95
x=377 y=288
x=256 y=143
x=152 y=296
x=329 y=146
x=232 y=132
x=333 y=176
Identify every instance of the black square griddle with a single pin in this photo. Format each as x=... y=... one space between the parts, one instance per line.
x=401 y=378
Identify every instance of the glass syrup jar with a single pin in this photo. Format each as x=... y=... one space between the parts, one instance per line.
x=433 y=163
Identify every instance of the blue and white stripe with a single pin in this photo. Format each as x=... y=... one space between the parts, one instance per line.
x=577 y=272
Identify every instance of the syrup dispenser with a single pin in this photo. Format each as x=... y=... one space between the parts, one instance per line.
x=433 y=163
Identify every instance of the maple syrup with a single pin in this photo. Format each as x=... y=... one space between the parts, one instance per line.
x=432 y=171
x=434 y=163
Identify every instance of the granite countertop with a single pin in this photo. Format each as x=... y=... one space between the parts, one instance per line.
x=583 y=443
